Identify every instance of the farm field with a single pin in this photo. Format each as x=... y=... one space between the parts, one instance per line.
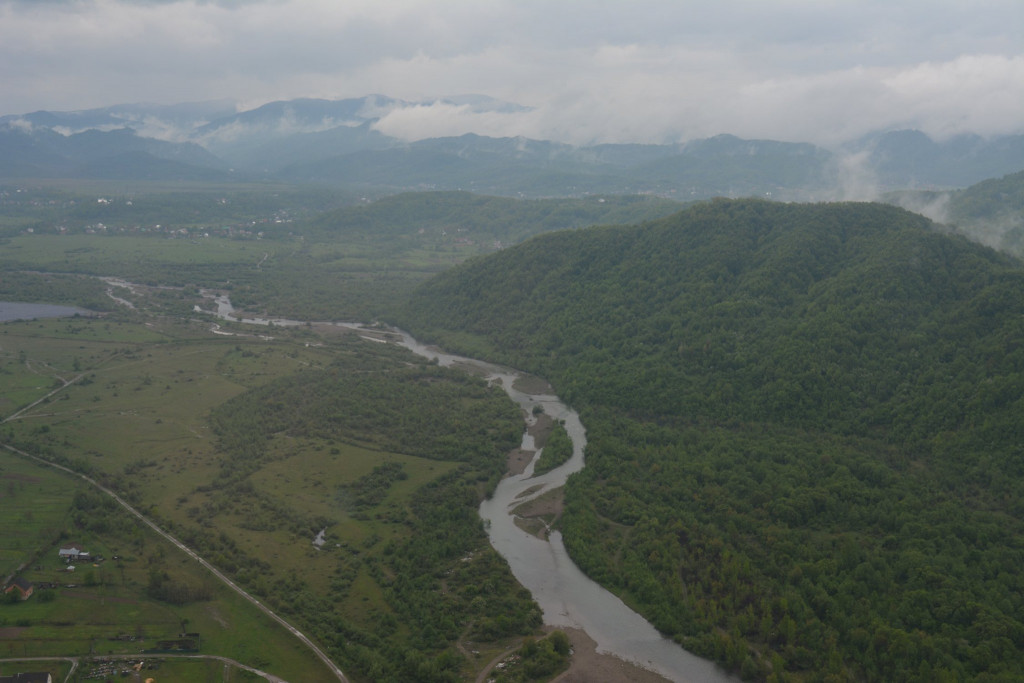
x=211 y=435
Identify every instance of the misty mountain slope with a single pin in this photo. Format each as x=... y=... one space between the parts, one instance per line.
x=729 y=166
x=990 y=212
x=341 y=143
x=724 y=165
x=993 y=211
x=803 y=420
x=501 y=166
x=92 y=153
x=293 y=131
x=909 y=158
x=278 y=153
x=181 y=117
x=31 y=156
x=301 y=114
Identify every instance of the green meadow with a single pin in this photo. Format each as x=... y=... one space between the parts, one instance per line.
x=35 y=506
x=211 y=436
x=104 y=607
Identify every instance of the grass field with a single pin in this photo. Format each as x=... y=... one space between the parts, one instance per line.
x=136 y=418
x=35 y=502
x=102 y=609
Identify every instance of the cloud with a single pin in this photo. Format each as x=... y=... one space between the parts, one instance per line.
x=644 y=71
x=980 y=93
x=20 y=125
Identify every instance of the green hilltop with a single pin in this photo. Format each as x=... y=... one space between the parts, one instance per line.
x=805 y=447
x=992 y=210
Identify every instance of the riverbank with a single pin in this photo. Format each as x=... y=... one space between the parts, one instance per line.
x=539 y=431
x=587 y=665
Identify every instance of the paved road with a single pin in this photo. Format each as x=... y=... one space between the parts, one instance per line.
x=185 y=549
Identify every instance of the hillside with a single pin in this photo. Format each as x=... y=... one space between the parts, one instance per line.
x=992 y=210
x=804 y=428
x=29 y=152
x=909 y=158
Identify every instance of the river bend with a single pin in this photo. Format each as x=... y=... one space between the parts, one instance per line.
x=567 y=597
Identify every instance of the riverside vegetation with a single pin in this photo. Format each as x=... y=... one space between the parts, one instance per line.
x=803 y=453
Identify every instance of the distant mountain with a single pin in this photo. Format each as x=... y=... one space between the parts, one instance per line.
x=270 y=154
x=281 y=133
x=235 y=136
x=728 y=166
x=302 y=114
x=504 y=166
x=517 y=166
x=121 y=153
x=910 y=159
x=155 y=117
x=337 y=142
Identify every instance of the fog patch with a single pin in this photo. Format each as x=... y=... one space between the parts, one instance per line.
x=277 y=128
x=442 y=119
x=1004 y=232
x=856 y=180
x=21 y=125
x=931 y=205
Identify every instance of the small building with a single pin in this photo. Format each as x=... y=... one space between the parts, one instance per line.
x=28 y=677
x=71 y=551
x=21 y=586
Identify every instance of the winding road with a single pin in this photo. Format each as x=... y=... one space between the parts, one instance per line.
x=181 y=546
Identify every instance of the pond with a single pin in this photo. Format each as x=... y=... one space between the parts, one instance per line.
x=12 y=310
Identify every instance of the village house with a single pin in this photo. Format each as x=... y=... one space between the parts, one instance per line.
x=28 y=677
x=73 y=552
x=21 y=586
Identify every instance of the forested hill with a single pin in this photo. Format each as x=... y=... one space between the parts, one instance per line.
x=805 y=438
x=992 y=211
x=745 y=309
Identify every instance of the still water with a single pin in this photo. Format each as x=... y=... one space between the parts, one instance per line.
x=10 y=310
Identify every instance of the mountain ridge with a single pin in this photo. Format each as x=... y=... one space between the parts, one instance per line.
x=340 y=141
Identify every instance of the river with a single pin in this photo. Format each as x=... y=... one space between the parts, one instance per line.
x=565 y=594
x=567 y=597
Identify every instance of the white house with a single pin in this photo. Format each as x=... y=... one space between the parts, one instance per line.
x=71 y=551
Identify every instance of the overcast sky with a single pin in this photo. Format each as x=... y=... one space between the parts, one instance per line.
x=593 y=71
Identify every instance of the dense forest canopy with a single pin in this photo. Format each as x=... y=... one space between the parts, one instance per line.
x=805 y=447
